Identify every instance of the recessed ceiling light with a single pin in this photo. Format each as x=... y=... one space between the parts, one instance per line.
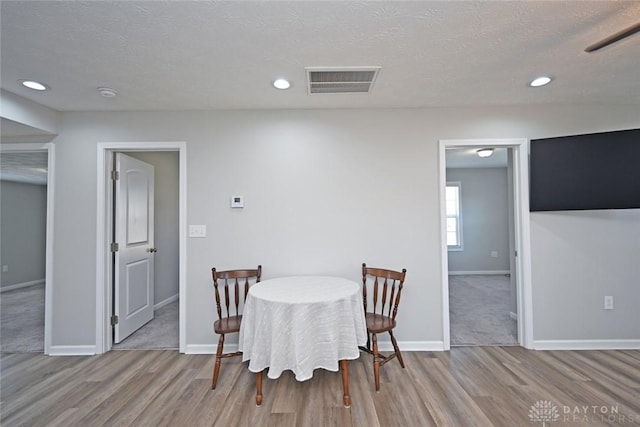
x=540 y=81
x=281 y=84
x=485 y=152
x=32 y=84
x=107 y=92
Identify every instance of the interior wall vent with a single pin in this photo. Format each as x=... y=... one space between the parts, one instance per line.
x=341 y=79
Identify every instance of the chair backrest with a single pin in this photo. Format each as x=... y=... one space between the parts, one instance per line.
x=386 y=289
x=231 y=281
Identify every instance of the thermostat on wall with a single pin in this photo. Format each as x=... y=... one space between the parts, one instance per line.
x=237 y=202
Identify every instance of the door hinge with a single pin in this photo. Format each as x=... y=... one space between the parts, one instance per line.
x=115 y=247
x=115 y=175
x=114 y=320
x=516 y=253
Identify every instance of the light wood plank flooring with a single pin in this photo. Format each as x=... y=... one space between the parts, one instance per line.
x=467 y=386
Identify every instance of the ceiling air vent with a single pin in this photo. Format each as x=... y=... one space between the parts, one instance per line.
x=341 y=79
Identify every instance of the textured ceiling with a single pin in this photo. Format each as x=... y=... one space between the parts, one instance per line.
x=191 y=55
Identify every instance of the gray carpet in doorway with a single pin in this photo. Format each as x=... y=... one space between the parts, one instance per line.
x=22 y=324
x=159 y=333
x=22 y=320
x=479 y=308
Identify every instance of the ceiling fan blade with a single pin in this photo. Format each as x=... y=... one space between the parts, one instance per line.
x=614 y=38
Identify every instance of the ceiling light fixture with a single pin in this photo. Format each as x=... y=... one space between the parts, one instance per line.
x=107 y=92
x=281 y=84
x=32 y=84
x=485 y=152
x=540 y=81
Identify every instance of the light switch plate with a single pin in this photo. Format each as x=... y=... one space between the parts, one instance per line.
x=197 y=231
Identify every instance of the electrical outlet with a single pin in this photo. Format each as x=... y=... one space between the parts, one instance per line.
x=5 y=268
x=494 y=254
x=608 y=302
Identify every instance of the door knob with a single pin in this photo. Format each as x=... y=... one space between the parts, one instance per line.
x=152 y=250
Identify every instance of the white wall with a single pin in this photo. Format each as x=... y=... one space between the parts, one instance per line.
x=579 y=258
x=324 y=191
x=23 y=220
x=485 y=220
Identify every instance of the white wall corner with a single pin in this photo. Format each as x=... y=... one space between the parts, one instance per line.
x=43 y=120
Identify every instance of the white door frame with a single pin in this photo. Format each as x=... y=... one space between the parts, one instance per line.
x=104 y=339
x=524 y=297
x=48 y=275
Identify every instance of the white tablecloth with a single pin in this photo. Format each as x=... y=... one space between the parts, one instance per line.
x=302 y=323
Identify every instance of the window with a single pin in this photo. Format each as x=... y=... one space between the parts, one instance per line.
x=454 y=216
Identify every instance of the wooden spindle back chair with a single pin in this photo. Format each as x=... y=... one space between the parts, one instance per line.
x=380 y=311
x=234 y=287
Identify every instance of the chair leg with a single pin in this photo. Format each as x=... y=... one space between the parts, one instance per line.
x=376 y=361
x=216 y=366
x=396 y=349
x=259 y=388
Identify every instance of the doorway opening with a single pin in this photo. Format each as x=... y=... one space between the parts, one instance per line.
x=170 y=299
x=509 y=274
x=480 y=241
x=31 y=167
x=161 y=332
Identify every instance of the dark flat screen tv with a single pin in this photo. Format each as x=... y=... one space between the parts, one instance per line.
x=585 y=172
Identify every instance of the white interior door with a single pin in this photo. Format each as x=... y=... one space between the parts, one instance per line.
x=133 y=260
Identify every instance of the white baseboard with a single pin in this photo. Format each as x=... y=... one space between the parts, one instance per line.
x=586 y=345
x=412 y=345
x=209 y=348
x=90 y=350
x=382 y=346
x=165 y=302
x=72 y=350
x=479 y=272
x=22 y=285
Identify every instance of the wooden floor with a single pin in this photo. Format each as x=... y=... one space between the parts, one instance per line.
x=467 y=386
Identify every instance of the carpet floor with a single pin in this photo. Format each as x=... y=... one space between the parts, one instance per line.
x=479 y=311
x=159 y=333
x=22 y=324
x=22 y=320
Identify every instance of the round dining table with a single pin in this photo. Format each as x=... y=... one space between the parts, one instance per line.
x=302 y=323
